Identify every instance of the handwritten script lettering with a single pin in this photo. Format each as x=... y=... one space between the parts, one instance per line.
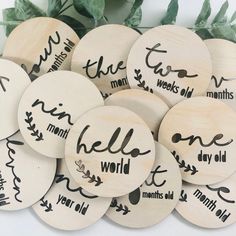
x=157 y=68
x=177 y=137
x=53 y=111
x=10 y=164
x=134 y=152
x=2 y=78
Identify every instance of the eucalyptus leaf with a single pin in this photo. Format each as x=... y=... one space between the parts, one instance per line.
x=54 y=7
x=204 y=14
x=25 y=10
x=90 y=8
x=9 y=20
x=204 y=34
x=221 y=17
x=135 y=16
x=171 y=14
x=224 y=32
x=233 y=17
x=77 y=26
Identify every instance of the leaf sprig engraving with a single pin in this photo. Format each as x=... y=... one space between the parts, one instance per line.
x=48 y=206
x=185 y=166
x=183 y=196
x=119 y=207
x=32 y=127
x=141 y=83
x=87 y=175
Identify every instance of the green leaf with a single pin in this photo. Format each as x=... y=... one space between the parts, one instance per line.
x=204 y=34
x=78 y=27
x=54 y=7
x=9 y=20
x=90 y=8
x=220 y=17
x=135 y=16
x=25 y=10
x=204 y=14
x=171 y=14
x=224 y=32
x=233 y=17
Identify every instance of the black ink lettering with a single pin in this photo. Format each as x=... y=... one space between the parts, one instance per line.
x=219 y=190
x=99 y=72
x=134 y=152
x=153 y=181
x=222 y=79
x=178 y=137
x=2 y=84
x=16 y=179
x=157 y=69
x=53 y=111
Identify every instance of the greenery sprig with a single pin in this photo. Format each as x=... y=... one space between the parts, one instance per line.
x=221 y=26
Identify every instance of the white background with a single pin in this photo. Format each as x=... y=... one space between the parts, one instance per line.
x=26 y=223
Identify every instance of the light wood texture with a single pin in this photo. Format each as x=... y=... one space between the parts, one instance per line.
x=102 y=55
x=67 y=206
x=110 y=151
x=209 y=206
x=223 y=82
x=201 y=133
x=148 y=106
x=155 y=199
x=25 y=175
x=13 y=82
x=49 y=107
x=41 y=45
x=170 y=61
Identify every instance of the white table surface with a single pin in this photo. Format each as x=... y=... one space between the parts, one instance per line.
x=26 y=223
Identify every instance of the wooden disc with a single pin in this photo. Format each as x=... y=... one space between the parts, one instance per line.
x=105 y=154
x=67 y=206
x=41 y=45
x=201 y=133
x=51 y=105
x=209 y=206
x=223 y=81
x=148 y=106
x=170 y=61
x=155 y=199
x=102 y=55
x=25 y=176
x=13 y=82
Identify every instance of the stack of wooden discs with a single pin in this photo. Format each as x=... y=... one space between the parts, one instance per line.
x=119 y=124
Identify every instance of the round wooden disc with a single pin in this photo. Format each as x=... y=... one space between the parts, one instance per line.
x=155 y=199
x=148 y=106
x=209 y=206
x=223 y=81
x=172 y=62
x=105 y=154
x=25 y=176
x=201 y=133
x=51 y=51
x=67 y=206
x=102 y=55
x=51 y=105
x=13 y=82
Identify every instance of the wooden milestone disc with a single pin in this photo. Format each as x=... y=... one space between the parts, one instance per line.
x=102 y=55
x=41 y=45
x=148 y=106
x=13 y=82
x=51 y=105
x=201 y=134
x=209 y=206
x=25 y=175
x=110 y=151
x=67 y=206
x=155 y=199
x=170 y=61
x=223 y=81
